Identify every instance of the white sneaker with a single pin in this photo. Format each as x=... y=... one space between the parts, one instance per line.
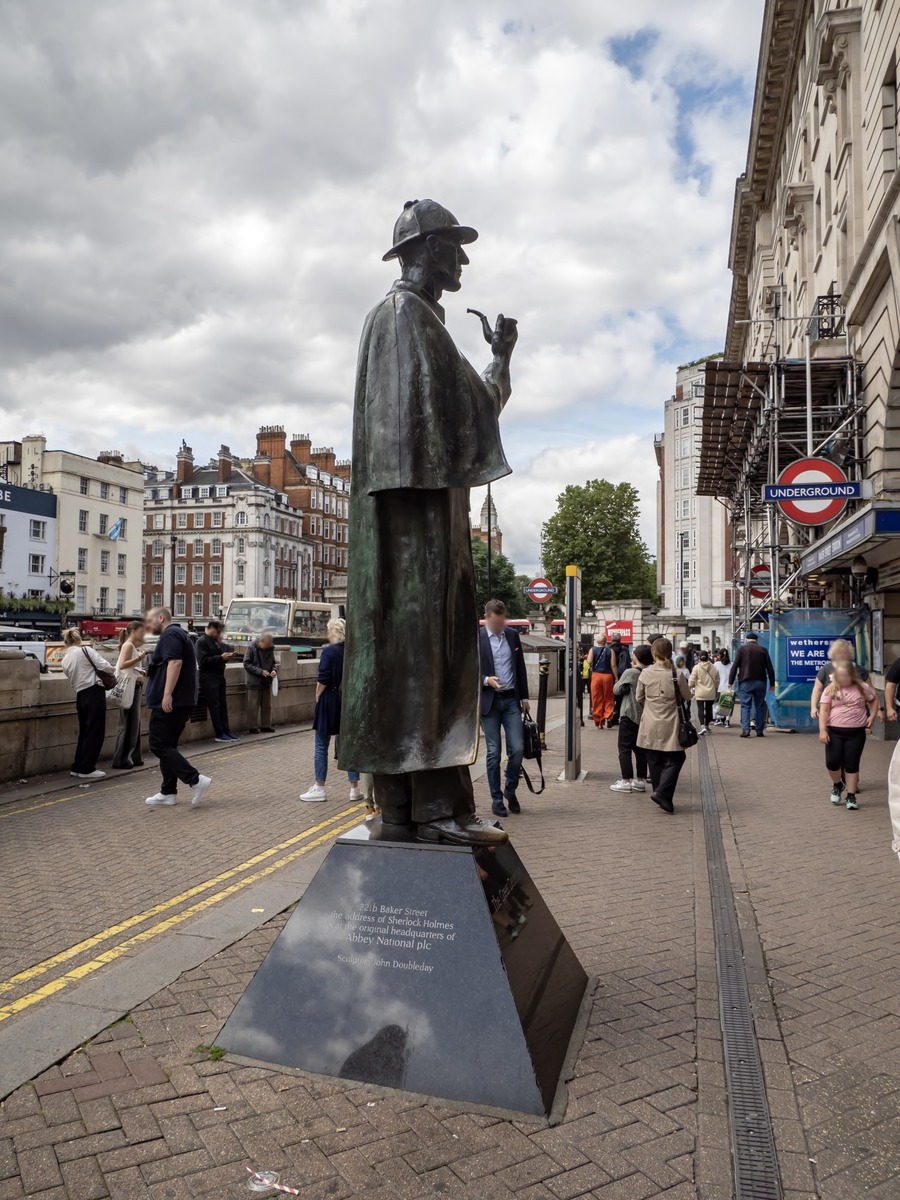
x=88 y=774
x=315 y=795
x=161 y=799
x=637 y=785
x=703 y=729
x=621 y=785
x=199 y=790
x=355 y=795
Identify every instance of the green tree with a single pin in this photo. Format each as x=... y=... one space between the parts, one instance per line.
x=506 y=585
x=595 y=526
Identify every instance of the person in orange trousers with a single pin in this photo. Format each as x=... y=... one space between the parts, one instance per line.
x=603 y=677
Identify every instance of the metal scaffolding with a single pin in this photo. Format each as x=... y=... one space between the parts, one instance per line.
x=757 y=418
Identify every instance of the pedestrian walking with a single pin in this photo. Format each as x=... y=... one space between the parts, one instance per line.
x=327 y=718
x=80 y=665
x=752 y=667
x=130 y=675
x=660 y=689
x=847 y=711
x=504 y=698
x=839 y=652
x=704 y=683
x=724 y=694
x=260 y=670
x=622 y=655
x=604 y=672
x=681 y=666
x=632 y=777
x=212 y=657
x=171 y=698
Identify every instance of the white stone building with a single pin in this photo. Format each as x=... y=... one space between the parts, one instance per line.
x=214 y=533
x=693 y=540
x=99 y=517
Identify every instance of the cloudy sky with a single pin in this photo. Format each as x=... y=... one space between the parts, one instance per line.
x=196 y=196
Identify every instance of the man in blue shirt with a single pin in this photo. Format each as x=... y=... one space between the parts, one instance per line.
x=171 y=697
x=504 y=697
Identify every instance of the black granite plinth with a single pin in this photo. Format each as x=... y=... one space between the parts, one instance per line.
x=436 y=969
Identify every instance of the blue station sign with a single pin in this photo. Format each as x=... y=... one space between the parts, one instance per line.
x=774 y=493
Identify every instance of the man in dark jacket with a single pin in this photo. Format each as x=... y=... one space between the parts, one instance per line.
x=623 y=662
x=752 y=667
x=504 y=697
x=259 y=667
x=212 y=656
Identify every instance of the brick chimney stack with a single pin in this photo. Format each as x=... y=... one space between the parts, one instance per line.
x=270 y=441
x=224 y=464
x=301 y=448
x=184 y=464
x=324 y=458
x=262 y=469
x=342 y=468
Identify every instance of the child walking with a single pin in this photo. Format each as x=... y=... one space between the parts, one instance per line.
x=847 y=709
x=629 y=723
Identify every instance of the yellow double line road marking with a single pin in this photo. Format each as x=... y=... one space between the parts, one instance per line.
x=81 y=972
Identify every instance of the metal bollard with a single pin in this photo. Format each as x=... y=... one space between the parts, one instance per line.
x=543 y=681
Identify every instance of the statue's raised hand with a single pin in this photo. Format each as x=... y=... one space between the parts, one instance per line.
x=502 y=338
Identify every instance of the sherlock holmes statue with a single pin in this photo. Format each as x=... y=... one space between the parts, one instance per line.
x=425 y=430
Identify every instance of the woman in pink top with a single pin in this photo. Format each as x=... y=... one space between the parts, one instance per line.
x=847 y=710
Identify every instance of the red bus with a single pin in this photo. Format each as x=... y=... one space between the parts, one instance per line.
x=558 y=628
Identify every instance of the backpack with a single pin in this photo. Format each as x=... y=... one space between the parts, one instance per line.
x=533 y=749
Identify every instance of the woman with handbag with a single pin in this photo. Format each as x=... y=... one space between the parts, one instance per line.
x=128 y=689
x=666 y=727
x=327 y=718
x=91 y=676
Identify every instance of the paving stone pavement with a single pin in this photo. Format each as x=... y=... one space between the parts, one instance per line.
x=142 y=1111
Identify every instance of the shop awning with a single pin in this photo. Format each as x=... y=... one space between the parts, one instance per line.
x=870 y=530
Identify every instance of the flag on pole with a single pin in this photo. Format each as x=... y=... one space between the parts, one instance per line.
x=116 y=532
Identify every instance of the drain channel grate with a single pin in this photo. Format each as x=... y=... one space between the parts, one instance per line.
x=756 y=1173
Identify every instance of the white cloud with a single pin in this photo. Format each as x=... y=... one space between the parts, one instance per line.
x=196 y=198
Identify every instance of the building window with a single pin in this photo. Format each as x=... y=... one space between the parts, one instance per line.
x=157 y=574
x=181 y=573
x=199 y=520
x=221 y=490
x=685 y=477
x=198 y=604
x=159 y=521
x=321 y=527
x=123 y=530
x=179 y=604
x=215 y=602
x=104 y=562
x=181 y=520
x=123 y=495
x=156 y=600
x=215 y=573
x=198 y=547
x=104 y=491
x=240 y=518
x=312 y=499
x=104 y=523
x=889 y=119
x=198 y=572
x=158 y=548
x=82 y=559
x=104 y=599
x=82 y=520
x=120 y=599
x=217 y=520
x=686 y=597
x=203 y=493
x=187 y=493
x=216 y=547
x=241 y=546
x=81 y=597
x=120 y=566
x=239 y=573
x=181 y=548
x=84 y=486
x=35 y=564
x=38 y=531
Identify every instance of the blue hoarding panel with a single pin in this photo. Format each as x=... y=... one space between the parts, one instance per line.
x=798 y=642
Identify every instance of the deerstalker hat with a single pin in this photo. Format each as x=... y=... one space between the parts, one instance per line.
x=423 y=217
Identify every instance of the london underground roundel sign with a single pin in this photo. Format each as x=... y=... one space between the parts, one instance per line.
x=540 y=590
x=812 y=491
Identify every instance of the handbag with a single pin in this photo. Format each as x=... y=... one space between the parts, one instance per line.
x=123 y=692
x=106 y=679
x=687 y=734
x=533 y=749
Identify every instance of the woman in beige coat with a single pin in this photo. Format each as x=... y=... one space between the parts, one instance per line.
x=658 y=734
x=704 y=683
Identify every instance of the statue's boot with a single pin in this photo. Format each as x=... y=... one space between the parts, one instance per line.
x=463 y=831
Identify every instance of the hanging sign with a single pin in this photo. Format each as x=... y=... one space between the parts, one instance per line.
x=540 y=590
x=760 y=581
x=813 y=491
